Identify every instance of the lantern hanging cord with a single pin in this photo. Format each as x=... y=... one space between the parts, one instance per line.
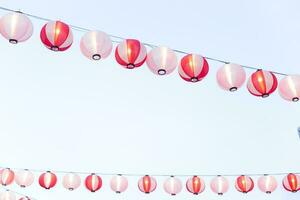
x=116 y=39
x=17 y=193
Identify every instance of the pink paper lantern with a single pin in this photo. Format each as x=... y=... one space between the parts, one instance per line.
x=291 y=182
x=219 y=185
x=7 y=176
x=244 y=184
x=8 y=195
x=24 y=178
x=47 y=180
x=195 y=185
x=71 y=181
x=267 y=184
x=96 y=45
x=161 y=60
x=231 y=77
x=147 y=184
x=16 y=27
x=118 y=183
x=289 y=88
x=172 y=185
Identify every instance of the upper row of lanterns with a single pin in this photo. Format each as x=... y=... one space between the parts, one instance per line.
x=131 y=53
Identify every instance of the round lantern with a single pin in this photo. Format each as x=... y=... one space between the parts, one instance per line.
x=131 y=53
x=147 y=184
x=289 y=88
x=93 y=182
x=6 y=176
x=231 y=76
x=291 y=182
x=47 y=180
x=193 y=68
x=219 y=185
x=16 y=27
x=172 y=185
x=267 y=184
x=262 y=83
x=118 y=183
x=195 y=185
x=8 y=195
x=162 y=60
x=71 y=181
x=244 y=184
x=56 y=36
x=24 y=178
x=96 y=45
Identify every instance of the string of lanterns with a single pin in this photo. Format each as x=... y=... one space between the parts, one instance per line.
x=16 y=27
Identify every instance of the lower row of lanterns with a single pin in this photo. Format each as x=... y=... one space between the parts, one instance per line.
x=147 y=184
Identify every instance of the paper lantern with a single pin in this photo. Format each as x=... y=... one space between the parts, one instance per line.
x=24 y=178
x=219 y=185
x=8 y=195
x=47 y=180
x=195 y=185
x=118 y=183
x=267 y=184
x=93 y=182
x=262 y=83
x=131 y=53
x=172 y=185
x=147 y=184
x=16 y=27
x=244 y=184
x=56 y=36
x=231 y=77
x=193 y=68
x=291 y=182
x=96 y=45
x=289 y=88
x=6 y=176
x=162 y=60
x=71 y=181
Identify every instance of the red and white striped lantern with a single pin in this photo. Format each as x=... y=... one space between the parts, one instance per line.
x=172 y=185
x=118 y=183
x=289 y=88
x=93 y=182
x=57 y=36
x=267 y=184
x=71 y=181
x=47 y=180
x=262 y=83
x=147 y=184
x=24 y=178
x=131 y=53
x=16 y=27
x=195 y=185
x=7 y=176
x=291 y=182
x=219 y=185
x=8 y=195
x=244 y=184
x=193 y=68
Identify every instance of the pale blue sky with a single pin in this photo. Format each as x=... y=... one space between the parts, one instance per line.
x=63 y=111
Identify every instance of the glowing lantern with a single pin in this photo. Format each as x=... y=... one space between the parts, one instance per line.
x=6 y=176
x=96 y=45
x=231 y=76
x=291 y=182
x=71 y=181
x=195 y=185
x=119 y=183
x=7 y=195
x=93 y=182
x=267 y=184
x=289 y=88
x=193 y=68
x=262 y=83
x=244 y=184
x=162 y=60
x=147 y=184
x=172 y=185
x=56 y=36
x=47 y=180
x=219 y=185
x=16 y=27
x=131 y=53
x=24 y=178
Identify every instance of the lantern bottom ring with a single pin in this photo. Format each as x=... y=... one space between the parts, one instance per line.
x=220 y=193
x=233 y=89
x=265 y=95
x=268 y=192
x=195 y=193
x=96 y=57
x=13 y=41
x=54 y=48
x=194 y=79
x=161 y=71
x=118 y=192
x=130 y=66
x=295 y=99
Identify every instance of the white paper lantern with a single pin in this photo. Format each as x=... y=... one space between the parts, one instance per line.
x=172 y=185
x=24 y=178
x=119 y=183
x=71 y=181
x=289 y=88
x=219 y=185
x=7 y=195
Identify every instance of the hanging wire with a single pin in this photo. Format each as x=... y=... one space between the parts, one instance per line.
x=118 y=39
x=17 y=193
